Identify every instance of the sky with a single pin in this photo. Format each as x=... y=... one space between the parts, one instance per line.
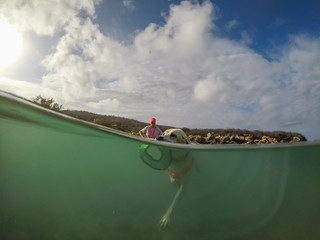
x=199 y=64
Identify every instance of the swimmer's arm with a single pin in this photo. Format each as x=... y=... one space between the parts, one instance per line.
x=142 y=134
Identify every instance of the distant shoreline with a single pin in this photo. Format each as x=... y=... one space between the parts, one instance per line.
x=201 y=136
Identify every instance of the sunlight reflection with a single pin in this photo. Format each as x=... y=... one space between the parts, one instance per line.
x=10 y=44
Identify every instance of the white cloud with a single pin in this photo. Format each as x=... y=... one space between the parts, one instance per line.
x=210 y=89
x=246 y=38
x=231 y=25
x=184 y=34
x=104 y=105
x=128 y=3
x=70 y=70
x=28 y=90
x=44 y=17
x=184 y=75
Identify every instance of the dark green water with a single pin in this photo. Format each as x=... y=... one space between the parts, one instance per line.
x=61 y=178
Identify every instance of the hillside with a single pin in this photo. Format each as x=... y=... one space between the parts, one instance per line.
x=119 y=123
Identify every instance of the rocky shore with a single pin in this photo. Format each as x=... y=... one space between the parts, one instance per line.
x=212 y=138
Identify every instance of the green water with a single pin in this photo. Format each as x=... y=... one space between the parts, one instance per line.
x=61 y=178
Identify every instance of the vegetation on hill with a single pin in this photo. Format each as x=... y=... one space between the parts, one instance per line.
x=47 y=103
x=119 y=123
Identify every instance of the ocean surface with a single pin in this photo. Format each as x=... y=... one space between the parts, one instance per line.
x=61 y=179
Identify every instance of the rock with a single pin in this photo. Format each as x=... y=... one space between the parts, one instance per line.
x=191 y=138
x=248 y=140
x=266 y=139
x=209 y=136
x=198 y=139
x=256 y=141
x=238 y=139
x=214 y=141
x=218 y=139
x=225 y=139
x=295 y=139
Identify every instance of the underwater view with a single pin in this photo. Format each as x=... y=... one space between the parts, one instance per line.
x=62 y=178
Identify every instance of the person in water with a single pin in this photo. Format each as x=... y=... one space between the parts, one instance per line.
x=151 y=131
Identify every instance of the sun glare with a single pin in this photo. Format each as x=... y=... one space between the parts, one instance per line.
x=10 y=44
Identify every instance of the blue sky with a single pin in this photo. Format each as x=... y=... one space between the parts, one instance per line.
x=268 y=22
x=207 y=64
